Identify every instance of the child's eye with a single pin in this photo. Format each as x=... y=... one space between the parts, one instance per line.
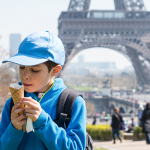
x=35 y=70
x=22 y=67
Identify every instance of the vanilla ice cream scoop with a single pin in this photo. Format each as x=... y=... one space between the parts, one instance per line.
x=15 y=85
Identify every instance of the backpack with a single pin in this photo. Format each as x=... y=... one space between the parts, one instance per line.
x=63 y=112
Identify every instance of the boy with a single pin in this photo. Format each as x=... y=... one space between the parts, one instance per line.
x=41 y=56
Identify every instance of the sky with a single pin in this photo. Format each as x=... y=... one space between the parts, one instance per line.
x=27 y=16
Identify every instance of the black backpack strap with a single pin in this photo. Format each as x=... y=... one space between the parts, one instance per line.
x=12 y=103
x=61 y=121
x=70 y=101
x=64 y=107
x=61 y=102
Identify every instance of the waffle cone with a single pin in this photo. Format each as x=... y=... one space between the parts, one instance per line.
x=16 y=96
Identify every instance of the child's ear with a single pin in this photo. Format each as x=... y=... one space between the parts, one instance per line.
x=56 y=70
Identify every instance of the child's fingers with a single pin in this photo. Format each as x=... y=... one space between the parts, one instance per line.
x=18 y=110
x=20 y=118
x=33 y=110
x=22 y=122
x=31 y=104
x=19 y=121
x=30 y=110
x=33 y=113
x=28 y=99
x=15 y=106
x=15 y=112
x=34 y=117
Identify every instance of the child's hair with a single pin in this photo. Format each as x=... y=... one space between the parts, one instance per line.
x=50 y=65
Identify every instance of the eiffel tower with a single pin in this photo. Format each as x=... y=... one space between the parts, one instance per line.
x=125 y=29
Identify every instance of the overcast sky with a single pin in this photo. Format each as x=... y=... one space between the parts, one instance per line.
x=28 y=16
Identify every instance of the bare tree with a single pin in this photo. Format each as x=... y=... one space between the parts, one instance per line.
x=5 y=77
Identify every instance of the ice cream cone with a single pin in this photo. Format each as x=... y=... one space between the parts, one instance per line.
x=16 y=96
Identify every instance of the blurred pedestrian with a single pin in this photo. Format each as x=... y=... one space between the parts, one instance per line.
x=146 y=122
x=103 y=114
x=116 y=123
x=131 y=126
x=94 y=120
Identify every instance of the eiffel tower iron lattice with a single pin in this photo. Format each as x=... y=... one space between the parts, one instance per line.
x=126 y=30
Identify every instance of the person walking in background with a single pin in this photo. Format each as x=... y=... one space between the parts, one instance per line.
x=146 y=122
x=116 y=123
x=131 y=126
x=94 y=120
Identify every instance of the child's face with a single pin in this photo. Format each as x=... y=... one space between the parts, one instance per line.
x=35 y=78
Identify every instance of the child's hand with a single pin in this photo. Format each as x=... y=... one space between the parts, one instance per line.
x=34 y=109
x=17 y=121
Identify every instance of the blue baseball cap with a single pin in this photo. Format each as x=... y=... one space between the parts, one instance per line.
x=38 y=48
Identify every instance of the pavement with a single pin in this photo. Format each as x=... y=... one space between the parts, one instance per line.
x=125 y=145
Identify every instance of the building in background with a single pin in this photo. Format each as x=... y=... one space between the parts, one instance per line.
x=90 y=68
x=81 y=59
x=14 y=41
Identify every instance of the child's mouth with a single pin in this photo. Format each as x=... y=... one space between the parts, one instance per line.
x=27 y=84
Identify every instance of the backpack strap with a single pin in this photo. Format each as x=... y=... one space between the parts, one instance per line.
x=64 y=107
x=66 y=101
x=12 y=103
x=61 y=102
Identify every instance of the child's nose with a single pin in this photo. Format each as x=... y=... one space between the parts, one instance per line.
x=26 y=75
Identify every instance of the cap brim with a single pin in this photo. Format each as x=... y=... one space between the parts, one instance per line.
x=24 y=60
